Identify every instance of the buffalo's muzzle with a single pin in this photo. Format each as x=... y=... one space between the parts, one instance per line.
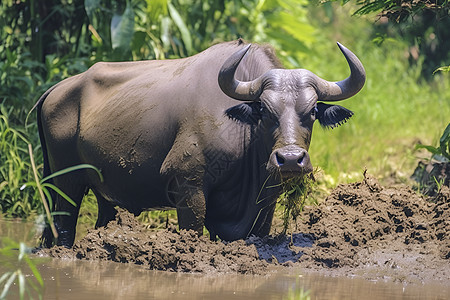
x=290 y=161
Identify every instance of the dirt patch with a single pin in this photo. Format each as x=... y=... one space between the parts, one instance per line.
x=125 y=240
x=360 y=229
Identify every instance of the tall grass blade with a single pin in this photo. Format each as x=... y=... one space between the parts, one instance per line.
x=5 y=276
x=34 y=270
x=74 y=168
x=60 y=192
x=22 y=251
x=8 y=283
x=41 y=193
x=21 y=279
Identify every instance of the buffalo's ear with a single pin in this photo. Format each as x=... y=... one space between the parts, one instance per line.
x=248 y=113
x=331 y=116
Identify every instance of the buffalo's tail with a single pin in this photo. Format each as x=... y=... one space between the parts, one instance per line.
x=47 y=236
x=38 y=107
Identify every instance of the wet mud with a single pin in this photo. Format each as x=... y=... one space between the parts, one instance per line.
x=125 y=240
x=361 y=229
x=380 y=232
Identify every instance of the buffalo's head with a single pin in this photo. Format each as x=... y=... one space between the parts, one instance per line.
x=287 y=103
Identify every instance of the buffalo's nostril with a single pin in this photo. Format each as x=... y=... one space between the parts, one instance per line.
x=290 y=160
x=300 y=159
x=280 y=159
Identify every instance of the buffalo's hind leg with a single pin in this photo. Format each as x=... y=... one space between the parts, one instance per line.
x=65 y=213
x=106 y=211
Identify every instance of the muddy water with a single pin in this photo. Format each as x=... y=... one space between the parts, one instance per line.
x=76 y=279
x=108 y=280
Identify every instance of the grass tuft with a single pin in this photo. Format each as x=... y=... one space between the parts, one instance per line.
x=294 y=197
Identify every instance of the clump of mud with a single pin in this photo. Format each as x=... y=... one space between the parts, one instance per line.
x=361 y=228
x=125 y=240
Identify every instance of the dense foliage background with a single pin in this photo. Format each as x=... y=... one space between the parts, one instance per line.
x=401 y=44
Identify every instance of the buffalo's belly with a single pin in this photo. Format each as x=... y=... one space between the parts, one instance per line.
x=131 y=172
x=142 y=189
x=135 y=194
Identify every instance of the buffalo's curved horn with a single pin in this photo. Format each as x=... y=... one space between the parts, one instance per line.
x=334 y=91
x=239 y=90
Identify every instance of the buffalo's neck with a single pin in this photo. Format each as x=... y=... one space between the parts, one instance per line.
x=242 y=193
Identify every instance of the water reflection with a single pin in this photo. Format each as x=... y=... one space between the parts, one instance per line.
x=103 y=280
x=73 y=279
x=66 y=279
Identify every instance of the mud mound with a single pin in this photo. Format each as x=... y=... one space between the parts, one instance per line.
x=363 y=224
x=360 y=229
x=127 y=241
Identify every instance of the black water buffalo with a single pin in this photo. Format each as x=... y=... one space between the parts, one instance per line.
x=211 y=135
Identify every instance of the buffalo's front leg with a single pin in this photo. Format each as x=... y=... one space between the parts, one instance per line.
x=189 y=200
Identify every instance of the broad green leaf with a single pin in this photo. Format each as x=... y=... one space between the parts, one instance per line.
x=185 y=35
x=138 y=41
x=293 y=26
x=288 y=42
x=444 y=142
x=90 y=6
x=156 y=8
x=430 y=149
x=122 y=29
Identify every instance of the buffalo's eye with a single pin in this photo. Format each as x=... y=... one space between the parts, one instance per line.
x=262 y=108
x=264 y=111
x=314 y=112
x=268 y=114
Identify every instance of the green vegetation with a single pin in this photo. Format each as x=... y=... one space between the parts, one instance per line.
x=396 y=108
x=406 y=99
x=15 y=167
x=402 y=103
x=441 y=153
x=297 y=293
x=432 y=175
x=44 y=188
x=294 y=197
x=43 y=43
x=422 y=24
x=16 y=262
